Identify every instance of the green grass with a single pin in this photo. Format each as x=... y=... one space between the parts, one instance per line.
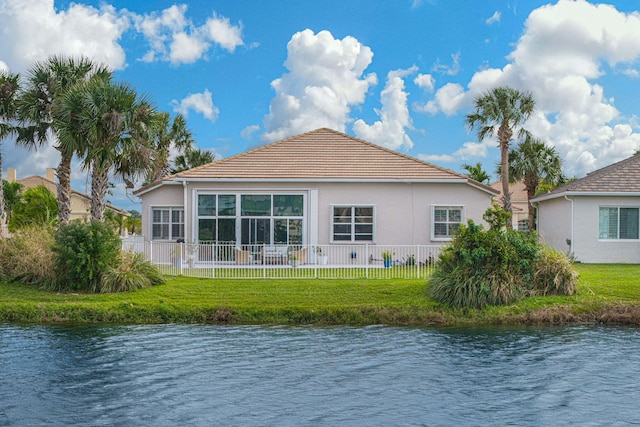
x=606 y=293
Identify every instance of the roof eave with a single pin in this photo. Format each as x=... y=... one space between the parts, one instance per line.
x=545 y=197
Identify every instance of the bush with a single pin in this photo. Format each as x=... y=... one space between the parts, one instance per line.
x=132 y=272
x=481 y=267
x=84 y=252
x=554 y=274
x=27 y=257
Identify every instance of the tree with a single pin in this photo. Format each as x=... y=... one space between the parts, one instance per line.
x=37 y=207
x=477 y=173
x=167 y=136
x=501 y=111
x=9 y=87
x=192 y=159
x=47 y=83
x=12 y=192
x=533 y=162
x=108 y=124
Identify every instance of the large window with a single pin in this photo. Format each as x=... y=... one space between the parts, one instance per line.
x=352 y=224
x=446 y=221
x=251 y=219
x=167 y=223
x=619 y=223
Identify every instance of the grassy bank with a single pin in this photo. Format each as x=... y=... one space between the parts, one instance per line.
x=606 y=294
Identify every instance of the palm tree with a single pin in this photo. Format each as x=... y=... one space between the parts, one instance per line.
x=108 y=123
x=166 y=136
x=476 y=173
x=12 y=193
x=9 y=87
x=47 y=83
x=191 y=159
x=533 y=162
x=501 y=111
x=38 y=207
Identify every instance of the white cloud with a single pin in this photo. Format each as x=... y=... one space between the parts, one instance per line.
x=440 y=158
x=425 y=81
x=494 y=18
x=560 y=58
x=175 y=38
x=247 y=133
x=200 y=103
x=450 y=70
x=471 y=150
x=33 y=30
x=389 y=131
x=325 y=80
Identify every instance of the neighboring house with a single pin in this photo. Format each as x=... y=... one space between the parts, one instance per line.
x=318 y=188
x=597 y=217
x=80 y=203
x=519 y=204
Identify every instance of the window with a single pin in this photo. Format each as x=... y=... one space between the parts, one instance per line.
x=523 y=225
x=619 y=223
x=216 y=218
x=167 y=223
x=446 y=221
x=352 y=224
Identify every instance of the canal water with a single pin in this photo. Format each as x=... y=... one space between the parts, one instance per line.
x=201 y=375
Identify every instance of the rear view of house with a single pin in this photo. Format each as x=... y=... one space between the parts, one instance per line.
x=596 y=218
x=318 y=188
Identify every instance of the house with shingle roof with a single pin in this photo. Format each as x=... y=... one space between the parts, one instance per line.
x=319 y=188
x=596 y=218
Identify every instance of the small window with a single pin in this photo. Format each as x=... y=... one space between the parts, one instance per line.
x=352 y=224
x=523 y=225
x=167 y=223
x=619 y=223
x=446 y=221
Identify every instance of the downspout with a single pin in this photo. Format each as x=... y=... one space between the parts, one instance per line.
x=572 y=222
x=184 y=203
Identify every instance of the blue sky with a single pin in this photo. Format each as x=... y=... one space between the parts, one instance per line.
x=401 y=74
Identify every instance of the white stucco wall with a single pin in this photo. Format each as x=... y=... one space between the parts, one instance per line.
x=402 y=210
x=555 y=223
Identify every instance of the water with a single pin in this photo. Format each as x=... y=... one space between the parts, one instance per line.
x=297 y=376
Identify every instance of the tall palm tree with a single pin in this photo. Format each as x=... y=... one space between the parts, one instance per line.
x=112 y=121
x=191 y=159
x=476 y=173
x=533 y=162
x=501 y=111
x=9 y=87
x=46 y=84
x=167 y=136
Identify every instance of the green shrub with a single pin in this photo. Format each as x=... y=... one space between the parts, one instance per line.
x=554 y=274
x=484 y=267
x=131 y=272
x=83 y=252
x=27 y=257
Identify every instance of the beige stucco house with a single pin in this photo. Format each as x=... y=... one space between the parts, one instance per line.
x=80 y=202
x=519 y=204
x=596 y=218
x=318 y=188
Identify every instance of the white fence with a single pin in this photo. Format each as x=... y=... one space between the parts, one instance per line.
x=288 y=261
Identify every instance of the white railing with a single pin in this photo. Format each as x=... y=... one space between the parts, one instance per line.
x=288 y=261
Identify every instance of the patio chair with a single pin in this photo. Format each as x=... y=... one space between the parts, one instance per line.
x=243 y=257
x=274 y=255
x=300 y=255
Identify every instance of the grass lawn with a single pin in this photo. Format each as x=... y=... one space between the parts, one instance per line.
x=606 y=293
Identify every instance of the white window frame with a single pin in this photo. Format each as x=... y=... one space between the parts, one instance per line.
x=433 y=220
x=353 y=223
x=171 y=210
x=617 y=238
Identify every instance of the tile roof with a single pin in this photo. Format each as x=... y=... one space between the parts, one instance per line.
x=322 y=154
x=35 y=180
x=620 y=177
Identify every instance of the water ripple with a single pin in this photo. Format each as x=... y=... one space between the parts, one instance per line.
x=250 y=375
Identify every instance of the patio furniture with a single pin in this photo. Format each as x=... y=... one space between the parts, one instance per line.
x=243 y=257
x=274 y=254
x=300 y=255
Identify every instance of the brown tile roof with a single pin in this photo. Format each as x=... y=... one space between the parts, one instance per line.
x=35 y=180
x=322 y=154
x=621 y=177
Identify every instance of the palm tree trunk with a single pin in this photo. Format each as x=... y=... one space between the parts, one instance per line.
x=64 y=189
x=99 y=187
x=2 y=212
x=504 y=177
